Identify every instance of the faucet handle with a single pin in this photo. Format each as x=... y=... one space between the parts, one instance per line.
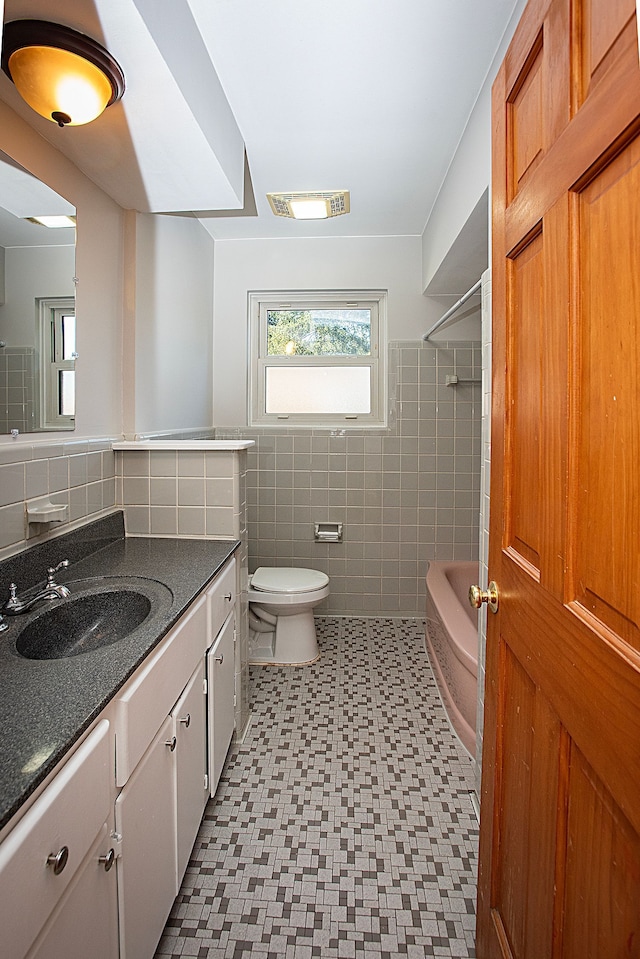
x=13 y=602
x=52 y=570
x=3 y=624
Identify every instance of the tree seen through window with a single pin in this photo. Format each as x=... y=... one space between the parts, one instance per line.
x=319 y=332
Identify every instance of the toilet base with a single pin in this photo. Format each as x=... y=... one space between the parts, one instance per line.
x=292 y=643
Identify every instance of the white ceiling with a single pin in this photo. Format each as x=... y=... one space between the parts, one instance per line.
x=371 y=96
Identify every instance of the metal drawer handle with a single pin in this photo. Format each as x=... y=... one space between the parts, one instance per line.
x=186 y=721
x=171 y=743
x=228 y=596
x=108 y=860
x=58 y=860
x=219 y=659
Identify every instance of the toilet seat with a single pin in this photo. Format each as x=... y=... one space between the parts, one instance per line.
x=284 y=579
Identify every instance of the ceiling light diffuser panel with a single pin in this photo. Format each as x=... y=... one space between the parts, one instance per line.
x=310 y=205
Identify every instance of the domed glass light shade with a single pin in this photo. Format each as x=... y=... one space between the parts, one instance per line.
x=62 y=74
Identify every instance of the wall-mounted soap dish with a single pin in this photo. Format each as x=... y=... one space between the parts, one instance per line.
x=47 y=512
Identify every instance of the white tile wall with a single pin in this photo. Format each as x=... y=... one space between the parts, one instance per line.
x=78 y=473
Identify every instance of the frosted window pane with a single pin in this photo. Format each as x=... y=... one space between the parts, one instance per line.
x=318 y=389
x=67 y=392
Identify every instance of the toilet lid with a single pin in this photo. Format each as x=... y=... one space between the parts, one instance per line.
x=284 y=579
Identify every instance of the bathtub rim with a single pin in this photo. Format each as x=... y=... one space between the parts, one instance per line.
x=454 y=617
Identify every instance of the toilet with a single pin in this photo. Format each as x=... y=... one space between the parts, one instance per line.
x=281 y=603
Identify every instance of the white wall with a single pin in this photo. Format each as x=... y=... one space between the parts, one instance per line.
x=469 y=173
x=32 y=272
x=173 y=317
x=343 y=263
x=99 y=258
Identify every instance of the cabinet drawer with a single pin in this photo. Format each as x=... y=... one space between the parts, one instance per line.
x=69 y=813
x=221 y=596
x=146 y=700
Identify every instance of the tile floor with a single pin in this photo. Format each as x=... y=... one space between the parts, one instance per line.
x=343 y=825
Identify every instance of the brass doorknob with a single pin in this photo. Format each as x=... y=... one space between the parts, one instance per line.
x=489 y=596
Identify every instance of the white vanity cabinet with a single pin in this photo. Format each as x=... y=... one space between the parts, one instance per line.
x=161 y=762
x=52 y=851
x=132 y=793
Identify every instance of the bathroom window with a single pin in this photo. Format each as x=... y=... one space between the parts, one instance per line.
x=317 y=359
x=57 y=363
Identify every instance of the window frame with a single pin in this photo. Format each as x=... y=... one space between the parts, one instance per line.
x=51 y=310
x=260 y=302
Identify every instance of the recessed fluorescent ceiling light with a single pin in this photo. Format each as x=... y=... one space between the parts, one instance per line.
x=307 y=205
x=53 y=222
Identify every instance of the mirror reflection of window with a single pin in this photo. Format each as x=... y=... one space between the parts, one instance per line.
x=38 y=255
x=58 y=357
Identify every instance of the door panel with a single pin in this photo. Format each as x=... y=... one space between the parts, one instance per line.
x=600 y=842
x=530 y=740
x=560 y=814
x=598 y=29
x=537 y=101
x=527 y=117
x=526 y=276
x=606 y=569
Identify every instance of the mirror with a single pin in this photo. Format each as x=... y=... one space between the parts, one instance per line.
x=37 y=305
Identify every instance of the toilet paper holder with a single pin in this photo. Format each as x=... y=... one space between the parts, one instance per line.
x=328 y=532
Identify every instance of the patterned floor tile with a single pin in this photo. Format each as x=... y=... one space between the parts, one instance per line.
x=343 y=825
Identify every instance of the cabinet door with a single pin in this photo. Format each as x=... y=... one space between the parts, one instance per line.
x=190 y=730
x=221 y=684
x=64 y=822
x=86 y=923
x=145 y=818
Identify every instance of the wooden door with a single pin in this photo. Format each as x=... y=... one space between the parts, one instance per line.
x=560 y=824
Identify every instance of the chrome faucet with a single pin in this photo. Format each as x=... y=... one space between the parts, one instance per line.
x=51 y=590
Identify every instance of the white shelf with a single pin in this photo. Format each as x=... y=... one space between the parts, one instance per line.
x=213 y=445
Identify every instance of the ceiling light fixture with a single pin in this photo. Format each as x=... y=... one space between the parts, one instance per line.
x=63 y=75
x=307 y=205
x=53 y=222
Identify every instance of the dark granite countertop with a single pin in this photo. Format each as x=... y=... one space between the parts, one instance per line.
x=45 y=705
